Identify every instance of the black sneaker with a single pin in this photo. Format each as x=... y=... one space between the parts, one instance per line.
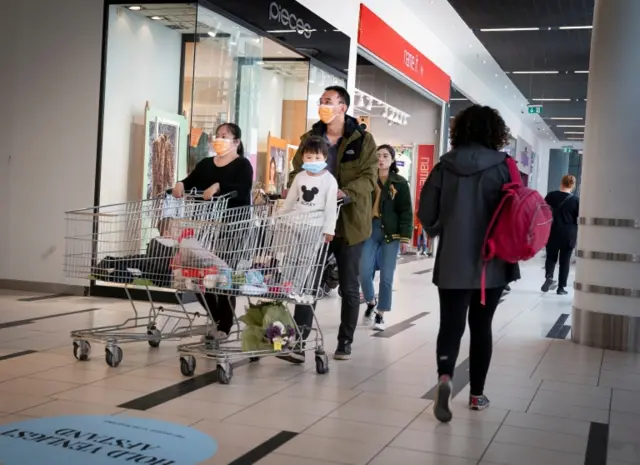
x=343 y=352
x=441 y=408
x=378 y=324
x=296 y=356
x=547 y=285
x=368 y=313
x=561 y=291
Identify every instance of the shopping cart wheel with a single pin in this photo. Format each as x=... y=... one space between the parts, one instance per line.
x=188 y=365
x=322 y=363
x=225 y=373
x=81 y=350
x=113 y=355
x=155 y=335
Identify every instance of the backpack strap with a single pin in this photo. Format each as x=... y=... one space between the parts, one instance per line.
x=514 y=172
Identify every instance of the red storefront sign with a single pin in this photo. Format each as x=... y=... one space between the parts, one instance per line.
x=424 y=165
x=380 y=39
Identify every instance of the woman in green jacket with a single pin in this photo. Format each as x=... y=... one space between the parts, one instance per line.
x=392 y=217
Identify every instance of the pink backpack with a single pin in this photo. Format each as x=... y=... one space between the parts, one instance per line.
x=519 y=227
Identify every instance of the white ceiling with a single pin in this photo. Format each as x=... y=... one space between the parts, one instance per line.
x=440 y=17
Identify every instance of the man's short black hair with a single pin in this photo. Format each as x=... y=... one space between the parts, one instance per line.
x=315 y=144
x=342 y=93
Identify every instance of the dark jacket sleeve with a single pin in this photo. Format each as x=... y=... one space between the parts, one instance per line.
x=429 y=207
x=241 y=181
x=365 y=183
x=404 y=210
x=194 y=178
x=296 y=162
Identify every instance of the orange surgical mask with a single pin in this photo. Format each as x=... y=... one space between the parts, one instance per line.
x=221 y=146
x=326 y=113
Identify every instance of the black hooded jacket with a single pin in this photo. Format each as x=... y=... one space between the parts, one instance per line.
x=457 y=203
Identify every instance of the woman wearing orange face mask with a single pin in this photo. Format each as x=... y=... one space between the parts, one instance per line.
x=227 y=172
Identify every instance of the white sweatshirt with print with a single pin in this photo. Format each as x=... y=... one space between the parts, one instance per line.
x=312 y=194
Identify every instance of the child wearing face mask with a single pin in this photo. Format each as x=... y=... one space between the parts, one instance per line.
x=314 y=191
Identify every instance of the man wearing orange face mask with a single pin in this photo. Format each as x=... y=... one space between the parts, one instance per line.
x=354 y=163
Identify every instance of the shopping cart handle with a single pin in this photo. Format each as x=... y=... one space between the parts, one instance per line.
x=199 y=195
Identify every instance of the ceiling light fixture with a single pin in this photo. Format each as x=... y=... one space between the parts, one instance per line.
x=259 y=62
x=535 y=72
x=157 y=18
x=572 y=132
x=566 y=118
x=570 y=28
x=135 y=8
x=581 y=72
x=212 y=33
x=458 y=99
x=510 y=29
x=570 y=126
x=370 y=106
x=551 y=99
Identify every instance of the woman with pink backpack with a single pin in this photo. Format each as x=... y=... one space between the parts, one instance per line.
x=486 y=220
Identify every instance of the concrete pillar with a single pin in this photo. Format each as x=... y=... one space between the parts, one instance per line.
x=606 y=309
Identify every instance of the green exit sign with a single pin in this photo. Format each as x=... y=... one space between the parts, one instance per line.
x=535 y=109
x=567 y=149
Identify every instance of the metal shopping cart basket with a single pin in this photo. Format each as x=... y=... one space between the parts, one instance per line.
x=275 y=258
x=134 y=245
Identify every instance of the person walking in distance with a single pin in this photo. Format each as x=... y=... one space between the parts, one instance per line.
x=457 y=204
x=564 y=233
x=354 y=163
x=392 y=229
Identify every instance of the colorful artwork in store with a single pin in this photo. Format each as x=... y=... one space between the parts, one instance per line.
x=523 y=156
x=277 y=165
x=165 y=161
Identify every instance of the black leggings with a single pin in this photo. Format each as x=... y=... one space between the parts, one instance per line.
x=222 y=309
x=553 y=251
x=454 y=304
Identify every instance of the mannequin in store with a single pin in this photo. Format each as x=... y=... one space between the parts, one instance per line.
x=229 y=171
x=457 y=204
x=392 y=228
x=354 y=163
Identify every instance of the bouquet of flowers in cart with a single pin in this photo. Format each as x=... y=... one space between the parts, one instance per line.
x=269 y=326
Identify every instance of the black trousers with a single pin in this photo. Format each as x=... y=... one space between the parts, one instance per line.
x=553 y=252
x=348 y=261
x=221 y=309
x=454 y=304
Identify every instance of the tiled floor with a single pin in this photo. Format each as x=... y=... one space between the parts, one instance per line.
x=546 y=393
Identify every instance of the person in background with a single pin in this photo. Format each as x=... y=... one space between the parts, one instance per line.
x=353 y=162
x=422 y=240
x=564 y=233
x=223 y=174
x=457 y=203
x=392 y=228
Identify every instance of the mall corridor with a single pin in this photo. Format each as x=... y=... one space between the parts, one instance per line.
x=553 y=402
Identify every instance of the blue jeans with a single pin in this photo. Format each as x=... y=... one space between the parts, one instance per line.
x=376 y=249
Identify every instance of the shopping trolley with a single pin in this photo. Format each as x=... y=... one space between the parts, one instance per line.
x=119 y=244
x=278 y=259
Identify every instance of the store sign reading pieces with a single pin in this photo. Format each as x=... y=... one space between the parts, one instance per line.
x=282 y=15
x=102 y=440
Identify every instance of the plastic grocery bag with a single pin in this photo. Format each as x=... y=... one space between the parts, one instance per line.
x=194 y=255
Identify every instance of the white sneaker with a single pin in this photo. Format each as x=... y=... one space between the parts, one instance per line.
x=378 y=324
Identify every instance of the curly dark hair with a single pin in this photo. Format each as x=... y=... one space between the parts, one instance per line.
x=479 y=125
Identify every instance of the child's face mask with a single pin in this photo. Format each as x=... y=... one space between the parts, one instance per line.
x=314 y=167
